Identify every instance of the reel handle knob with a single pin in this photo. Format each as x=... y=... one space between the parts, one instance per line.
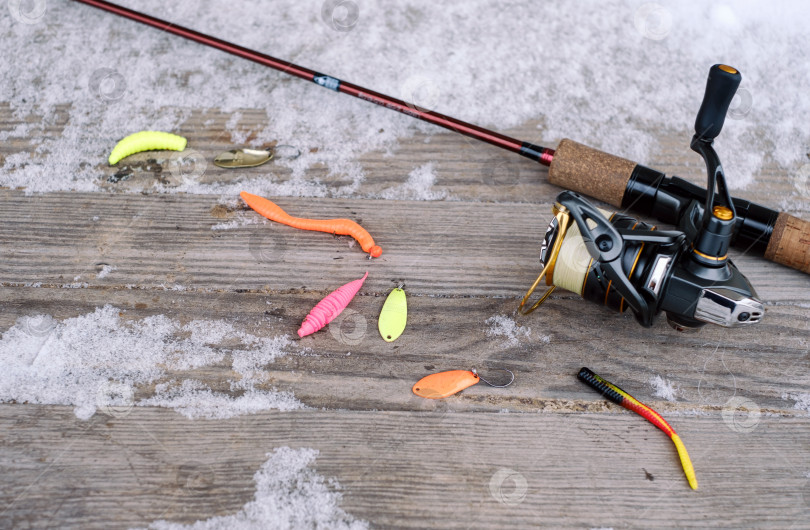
x=720 y=89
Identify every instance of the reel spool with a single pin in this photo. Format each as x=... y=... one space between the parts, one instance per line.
x=571 y=267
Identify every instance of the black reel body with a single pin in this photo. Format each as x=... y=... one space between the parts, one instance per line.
x=632 y=265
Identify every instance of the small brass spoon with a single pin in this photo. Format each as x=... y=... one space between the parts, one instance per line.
x=236 y=158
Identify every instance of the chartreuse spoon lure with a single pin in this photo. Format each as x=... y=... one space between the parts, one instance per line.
x=146 y=141
x=394 y=315
x=620 y=397
x=445 y=384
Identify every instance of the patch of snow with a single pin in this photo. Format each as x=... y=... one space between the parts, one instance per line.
x=105 y=271
x=801 y=400
x=289 y=494
x=98 y=360
x=503 y=326
x=96 y=78
x=241 y=219
x=193 y=399
x=663 y=388
x=418 y=186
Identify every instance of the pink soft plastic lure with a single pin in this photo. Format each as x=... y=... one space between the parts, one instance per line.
x=330 y=307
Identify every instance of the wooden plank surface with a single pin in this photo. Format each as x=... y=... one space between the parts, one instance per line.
x=580 y=470
x=403 y=462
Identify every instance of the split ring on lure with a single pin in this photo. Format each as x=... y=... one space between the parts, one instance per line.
x=146 y=141
x=330 y=307
x=343 y=227
x=620 y=397
x=445 y=384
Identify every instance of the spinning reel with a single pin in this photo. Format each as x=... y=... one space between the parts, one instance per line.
x=615 y=260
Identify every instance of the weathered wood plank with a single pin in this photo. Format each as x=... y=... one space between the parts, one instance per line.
x=406 y=470
x=436 y=248
x=708 y=368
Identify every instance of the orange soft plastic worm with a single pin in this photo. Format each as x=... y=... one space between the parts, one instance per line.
x=343 y=227
x=620 y=397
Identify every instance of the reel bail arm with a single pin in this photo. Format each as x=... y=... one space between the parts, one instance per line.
x=605 y=245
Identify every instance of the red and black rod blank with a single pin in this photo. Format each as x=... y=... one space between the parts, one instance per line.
x=535 y=152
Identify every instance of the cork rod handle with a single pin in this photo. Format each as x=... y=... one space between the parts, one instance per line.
x=590 y=172
x=790 y=243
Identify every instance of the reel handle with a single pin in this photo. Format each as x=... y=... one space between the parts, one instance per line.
x=721 y=86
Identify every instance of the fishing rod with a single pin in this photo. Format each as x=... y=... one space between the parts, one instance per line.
x=774 y=235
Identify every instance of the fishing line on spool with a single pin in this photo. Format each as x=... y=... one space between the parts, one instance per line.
x=565 y=267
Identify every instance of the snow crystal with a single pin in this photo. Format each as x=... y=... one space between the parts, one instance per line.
x=418 y=186
x=802 y=401
x=289 y=494
x=241 y=219
x=78 y=80
x=96 y=361
x=663 y=388
x=503 y=326
x=194 y=400
x=105 y=271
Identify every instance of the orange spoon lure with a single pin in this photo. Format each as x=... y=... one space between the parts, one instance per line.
x=343 y=227
x=445 y=384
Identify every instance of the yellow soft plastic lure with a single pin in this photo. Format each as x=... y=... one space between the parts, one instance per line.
x=146 y=141
x=394 y=315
